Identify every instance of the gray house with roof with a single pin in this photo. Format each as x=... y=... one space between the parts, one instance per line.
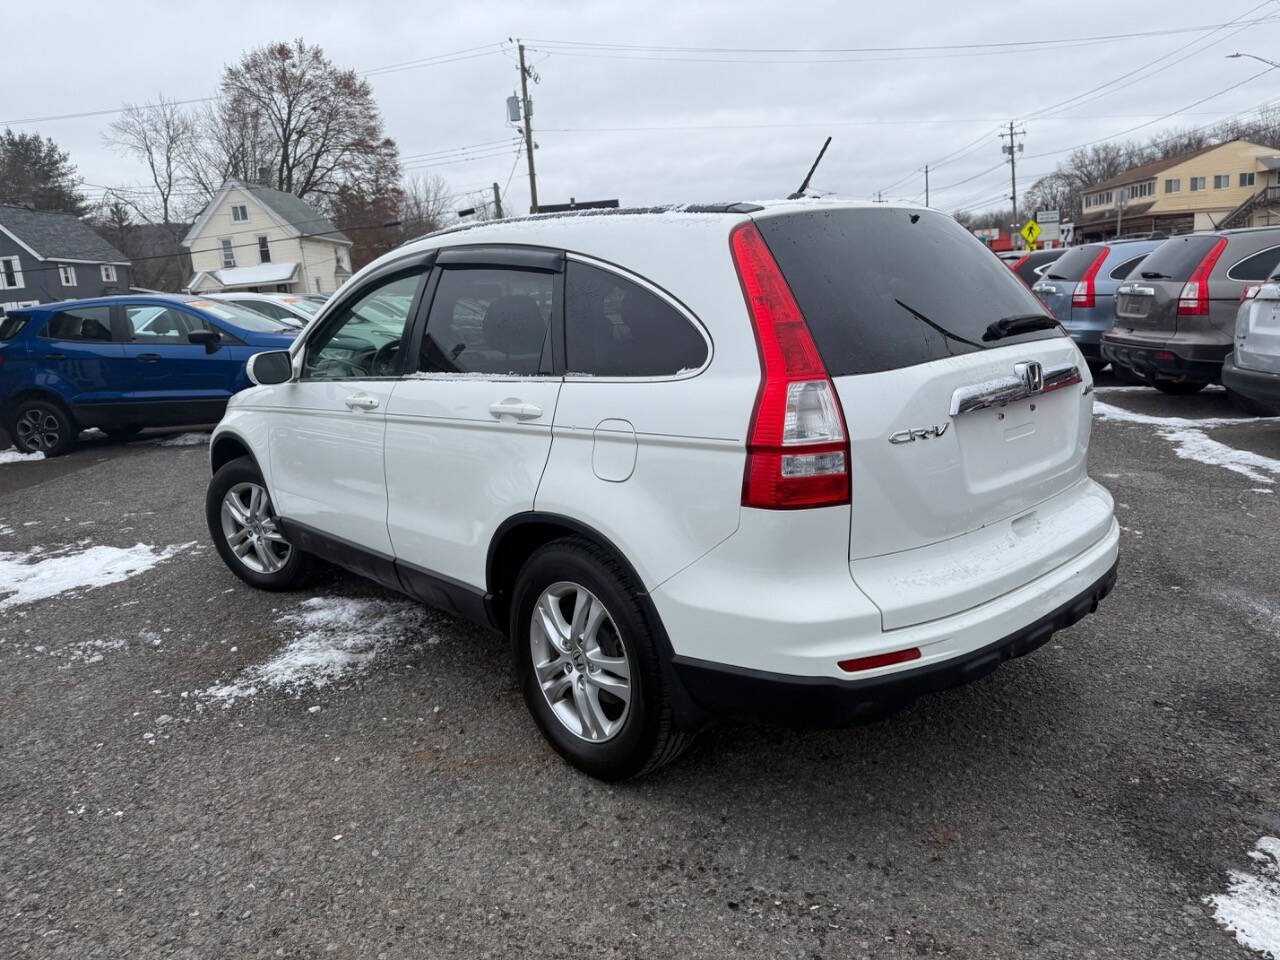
x=251 y=237
x=47 y=256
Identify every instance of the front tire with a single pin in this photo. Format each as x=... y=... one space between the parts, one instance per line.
x=246 y=532
x=42 y=426
x=588 y=663
x=1178 y=388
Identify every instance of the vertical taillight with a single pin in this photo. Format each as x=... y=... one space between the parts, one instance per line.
x=1083 y=295
x=797 y=446
x=1193 y=301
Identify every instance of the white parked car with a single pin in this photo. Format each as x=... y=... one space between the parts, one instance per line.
x=801 y=460
x=294 y=310
x=1251 y=372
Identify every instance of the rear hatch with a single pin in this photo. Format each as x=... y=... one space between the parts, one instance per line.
x=1147 y=302
x=1059 y=283
x=1257 y=340
x=954 y=502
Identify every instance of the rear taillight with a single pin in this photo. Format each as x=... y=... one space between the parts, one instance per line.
x=1083 y=295
x=1017 y=263
x=1194 y=299
x=797 y=446
x=1250 y=291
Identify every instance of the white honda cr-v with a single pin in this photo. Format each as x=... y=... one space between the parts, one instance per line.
x=801 y=460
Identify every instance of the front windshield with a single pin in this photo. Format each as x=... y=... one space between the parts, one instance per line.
x=240 y=317
x=309 y=307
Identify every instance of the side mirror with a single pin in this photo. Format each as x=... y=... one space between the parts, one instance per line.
x=209 y=338
x=274 y=366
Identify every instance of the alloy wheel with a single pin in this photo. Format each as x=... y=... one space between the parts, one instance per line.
x=38 y=429
x=250 y=527
x=579 y=662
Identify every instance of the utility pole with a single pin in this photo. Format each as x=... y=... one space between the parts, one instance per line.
x=1122 y=201
x=926 y=184
x=1013 y=148
x=497 y=202
x=525 y=103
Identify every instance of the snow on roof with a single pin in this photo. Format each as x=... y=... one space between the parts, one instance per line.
x=281 y=272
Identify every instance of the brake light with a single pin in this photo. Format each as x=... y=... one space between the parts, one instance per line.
x=1083 y=295
x=1250 y=291
x=1193 y=301
x=797 y=446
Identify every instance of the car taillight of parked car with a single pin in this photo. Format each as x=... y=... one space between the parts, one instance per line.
x=797 y=445
x=1250 y=291
x=1193 y=301
x=1083 y=294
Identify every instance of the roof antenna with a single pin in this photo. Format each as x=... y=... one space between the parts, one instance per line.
x=809 y=176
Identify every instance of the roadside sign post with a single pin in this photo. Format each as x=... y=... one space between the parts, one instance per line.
x=1030 y=231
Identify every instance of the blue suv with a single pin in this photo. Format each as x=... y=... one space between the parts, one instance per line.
x=122 y=364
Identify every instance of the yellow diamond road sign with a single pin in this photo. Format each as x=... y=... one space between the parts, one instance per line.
x=1030 y=230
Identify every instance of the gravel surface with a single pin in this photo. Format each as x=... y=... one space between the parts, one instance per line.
x=1080 y=802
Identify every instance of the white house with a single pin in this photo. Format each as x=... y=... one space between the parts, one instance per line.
x=255 y=238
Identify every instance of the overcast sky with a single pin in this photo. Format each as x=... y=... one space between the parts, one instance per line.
x=645 y=128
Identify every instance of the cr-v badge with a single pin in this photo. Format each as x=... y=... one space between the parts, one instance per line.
x=921 y=433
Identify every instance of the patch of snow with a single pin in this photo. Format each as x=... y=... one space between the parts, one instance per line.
x=5 y=529
x=1192 y=443
x=334 y=637
x=183 y=440
x=1259 y=490
x=1251 y=906
x=11 y=455
x=28 y=577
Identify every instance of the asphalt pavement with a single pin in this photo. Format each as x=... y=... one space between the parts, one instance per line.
x=159 y=797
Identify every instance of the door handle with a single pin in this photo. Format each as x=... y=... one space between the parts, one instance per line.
x=148 y=357
x=55 y=356
x=515 y=408
x=361 y=402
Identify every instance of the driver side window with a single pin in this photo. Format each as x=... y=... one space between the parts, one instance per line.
x=364 y=339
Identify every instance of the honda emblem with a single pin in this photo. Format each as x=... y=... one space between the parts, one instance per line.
x=1032 y=374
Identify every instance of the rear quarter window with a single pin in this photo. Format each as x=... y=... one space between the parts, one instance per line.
x=11 y=325
x=1260 y=266
x=883 y=289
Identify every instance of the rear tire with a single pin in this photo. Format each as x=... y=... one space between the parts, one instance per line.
x=588 y=663
x=42 y=426
x=1178 y=388
x=245 y=530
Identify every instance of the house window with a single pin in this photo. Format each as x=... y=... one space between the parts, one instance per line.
x=10 y=273
x=228 y=252
x=1197 y=183
x=1246 y=179
x=1221 y=181
x=67 y=274
x=338 y=260
x=239 y=213
x=264 y=252
x=1173 y=186
x=1142 y=189
x=108 y=273
x=318 y=290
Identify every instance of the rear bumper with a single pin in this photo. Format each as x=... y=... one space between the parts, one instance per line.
x=1257 y=385
x=1168 y=361
x=827 y=702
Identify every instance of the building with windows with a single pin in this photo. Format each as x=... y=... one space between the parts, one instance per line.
x=255 y=238
x=1232 y=184
x=46 y=256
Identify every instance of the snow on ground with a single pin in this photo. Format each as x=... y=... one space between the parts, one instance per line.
x=1251 y=906
x=5 y=529
x=1192 y=443
x=183 y=440
x=38 y=575
x=11 y=455
x=334 y=638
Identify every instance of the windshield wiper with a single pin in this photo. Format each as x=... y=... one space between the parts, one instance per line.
x=1022 y=323
x=1155 y=275
x=942 y=330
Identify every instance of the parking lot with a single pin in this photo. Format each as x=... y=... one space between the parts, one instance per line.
x=192 y=768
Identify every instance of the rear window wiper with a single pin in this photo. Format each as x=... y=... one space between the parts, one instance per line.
x=1056 y=276
x=1022 y=323
x=1155 y=275
x=942 y=330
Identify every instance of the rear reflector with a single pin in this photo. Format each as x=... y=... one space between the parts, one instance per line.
x=1163 y=355
x=880 y=660
x=797 y=446
x=1083 y=295
x=1193 y=301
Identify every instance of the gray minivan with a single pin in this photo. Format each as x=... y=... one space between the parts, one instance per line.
x=1175 y=318
x=1080 y=289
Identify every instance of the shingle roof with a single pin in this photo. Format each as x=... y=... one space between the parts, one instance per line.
x=1148 y=170
x=297 y=212
x=58 y=236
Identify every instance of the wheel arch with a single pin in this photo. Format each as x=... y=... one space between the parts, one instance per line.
x=38 y=393
x=228 y=446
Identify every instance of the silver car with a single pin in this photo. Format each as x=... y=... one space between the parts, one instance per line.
x=1251 y=372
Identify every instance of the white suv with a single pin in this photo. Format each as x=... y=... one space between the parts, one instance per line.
x=804 y=460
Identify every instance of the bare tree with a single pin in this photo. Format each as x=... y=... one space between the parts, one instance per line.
x=160 y=135
x=425 y=207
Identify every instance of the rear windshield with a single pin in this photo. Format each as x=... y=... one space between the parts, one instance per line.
x=11 y=324
x=1176 y=258
x=888 y=288
x=241 y=317
x=1072 y=264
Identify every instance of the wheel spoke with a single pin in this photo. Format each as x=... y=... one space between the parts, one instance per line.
x=266 y=556
x=592 y=729
x=237 y=538
x=234 y=507
x=615 y=665
x=255 y=503
x=553 y=624
x=619 y=688
x=599 y=722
